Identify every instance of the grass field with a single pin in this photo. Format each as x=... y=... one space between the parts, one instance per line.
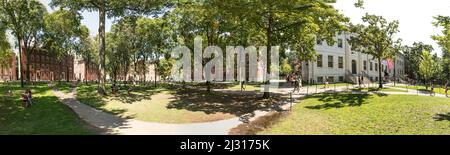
x=365 y=114
x=382 y=90
x=174 y=105
x=47 y=115
x=438 y=90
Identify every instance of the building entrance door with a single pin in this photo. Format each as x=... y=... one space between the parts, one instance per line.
x=354 y=67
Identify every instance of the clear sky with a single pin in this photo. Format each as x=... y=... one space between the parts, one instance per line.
x=415 y=16
x=90 y=19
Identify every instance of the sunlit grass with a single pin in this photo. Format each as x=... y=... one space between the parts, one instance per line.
x=47 y=115
x=366 y=114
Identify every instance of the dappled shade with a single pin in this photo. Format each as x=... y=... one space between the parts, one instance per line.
x=333 y=100
x=242 y=105
x=442 y=117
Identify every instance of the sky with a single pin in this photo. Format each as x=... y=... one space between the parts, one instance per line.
x=415 y=17
x=90 y=19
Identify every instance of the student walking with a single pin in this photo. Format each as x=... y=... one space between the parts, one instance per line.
x=446 y=89
x=432 y=90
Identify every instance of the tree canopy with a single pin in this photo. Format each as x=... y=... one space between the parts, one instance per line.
x=376 y=38
x=25 y=20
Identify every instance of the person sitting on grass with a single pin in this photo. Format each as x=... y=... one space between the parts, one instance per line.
x=30 y=96
x=26 y=98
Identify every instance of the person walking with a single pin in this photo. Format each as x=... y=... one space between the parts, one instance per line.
x=432 y=89
x=446 y=89
x=242 y=85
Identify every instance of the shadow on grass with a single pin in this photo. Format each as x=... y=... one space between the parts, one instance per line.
x=240 y=105
x=442 y=117
x=340 y=100
x=46 y=116
x=88 y=95
x=138 y=93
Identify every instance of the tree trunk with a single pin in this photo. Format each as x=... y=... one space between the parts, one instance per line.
x=269 y=45
x=145 y=69
x=156 y=64
x=27 y=56
x=208 y=86
x=380 y=80
x=67 y=69
x=101 y=32
x=20 y=62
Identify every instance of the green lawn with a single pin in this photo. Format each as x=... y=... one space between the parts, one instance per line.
x=331 y=85
x=423 y=88
x=247 y=87
x=376 y=89
x=65 y=87
x=47 y=116
x=173 y=105
x=366 y=114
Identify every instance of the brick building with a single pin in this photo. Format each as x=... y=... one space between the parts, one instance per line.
x=45 y=66
x=85 y=71
x=9 y=73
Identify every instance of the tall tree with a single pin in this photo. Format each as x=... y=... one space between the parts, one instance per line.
x=205 y=19
x=112 y=8
x=375 y=38
x=62 y=33
x=291 y=24
x=85 y=48
x=413 y=57
x=6 y=54
x=4 y=44
x=164 y=67
x=286 y=68
x=444 y=41
x=427 y=67
x=155 y=41
x=25 y=20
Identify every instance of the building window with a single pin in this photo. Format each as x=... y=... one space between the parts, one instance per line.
x=376 y=78
x=320 y=79
x=365 y=65
x=319 y=60
x=341 y=62
x=371 y=66
x=330 y=61
x=341 y=79
x=340 y=43
x=330 y=79
x=376 y=66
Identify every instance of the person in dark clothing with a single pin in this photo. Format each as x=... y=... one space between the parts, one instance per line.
x=242 y=85
x=446 y=89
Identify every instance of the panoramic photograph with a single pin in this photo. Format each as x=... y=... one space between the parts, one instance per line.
x=214 y=67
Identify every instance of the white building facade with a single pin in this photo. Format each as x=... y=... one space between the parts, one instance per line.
x=338 y=63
